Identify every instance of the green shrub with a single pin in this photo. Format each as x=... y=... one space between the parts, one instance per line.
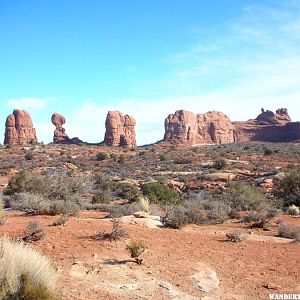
x=268 y=152
x=39 y=205
x=219 y=164
x=246 y=197
x=159 y=193
x=162 y=157
x=179 y=216
x=29 y=155
x=259 y=219
x=289 y=188
x=25 y=274
x=117 y=211
x=101 y=156
x=25 y=181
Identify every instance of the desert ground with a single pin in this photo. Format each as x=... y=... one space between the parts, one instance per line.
x=193 y=260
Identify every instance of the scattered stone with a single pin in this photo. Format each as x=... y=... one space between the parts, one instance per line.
x=141 y=214
x=206 y=278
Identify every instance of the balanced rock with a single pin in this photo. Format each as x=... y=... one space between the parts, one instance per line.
x=120 y=130
x=60 y=135
x=19 y=129
x=210 y=128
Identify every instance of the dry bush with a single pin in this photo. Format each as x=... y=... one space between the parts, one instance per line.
x=62 y=220
x=24 y=273
x=259 y=219
x=235 y=236
x=116 y=233
x=289 y=231
x=293 y=210
x=39 y=205
x=136 y=248
x=34 y=232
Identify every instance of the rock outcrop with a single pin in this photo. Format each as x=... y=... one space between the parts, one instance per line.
x=120 y=130
x=210 y=128
x=186 y=128
x=60 y=135
x=268 y=127
x=19 y=129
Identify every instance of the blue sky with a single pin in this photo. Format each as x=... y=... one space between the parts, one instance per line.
x=148 y=59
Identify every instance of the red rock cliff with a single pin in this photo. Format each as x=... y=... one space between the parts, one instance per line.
x=19 y=129
x=120 y=130
x=210 y=128
x=186 y=128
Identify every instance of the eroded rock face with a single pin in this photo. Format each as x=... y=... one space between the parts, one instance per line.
x=120 y=130
x=210 y=128
x=60 y=135
x=186 y=128
x=19 y=129
x=268 y=127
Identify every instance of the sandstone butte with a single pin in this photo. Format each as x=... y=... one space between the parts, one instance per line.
x=19 y=129
x=119 y=130
x=184 y=127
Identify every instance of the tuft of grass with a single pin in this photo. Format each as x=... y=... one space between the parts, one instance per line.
x=25 y=274
x=144 y=204
x=2 y=218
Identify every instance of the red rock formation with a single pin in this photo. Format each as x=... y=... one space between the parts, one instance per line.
x=268 y=127
x=186 y=128
x=210 y=128
x=19 y=129
x=119 y=130
x=60 y=135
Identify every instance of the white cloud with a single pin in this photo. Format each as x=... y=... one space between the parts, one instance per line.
x=252 y=63
x=27 y=103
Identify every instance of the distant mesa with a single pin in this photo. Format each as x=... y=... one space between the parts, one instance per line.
x=60 y=136
x=19 y=129
x=120 y=130
x=184 y=127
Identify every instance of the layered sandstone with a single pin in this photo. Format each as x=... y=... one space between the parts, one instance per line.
x=120 y=130
x=210 y=128
x=19 y=129
x=186 y=128
x=268 y=127
x=60 y=135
